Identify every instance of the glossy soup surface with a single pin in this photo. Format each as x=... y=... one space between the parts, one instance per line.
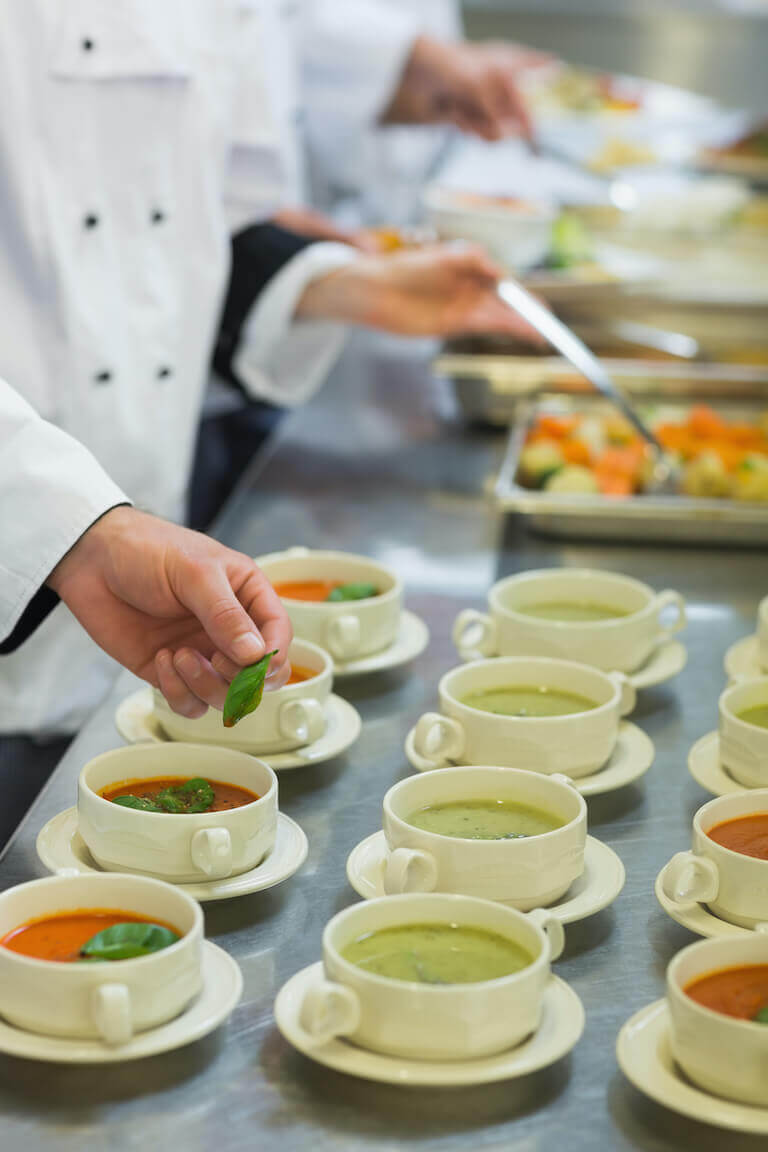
x=299 y=674
x=437 y=954
x=740 y=992
x=528 y=702
x=572 y=611
x=225 y=796
x=484 y=820
x=61 y=937
x=745 y=834
x=315 y=590
x=757 y=715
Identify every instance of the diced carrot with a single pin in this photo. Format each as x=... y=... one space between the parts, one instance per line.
x=741 y=433
x=619 y=461
x=611 y=484
x=557 y=427
x=576 y=452
x=704 y=421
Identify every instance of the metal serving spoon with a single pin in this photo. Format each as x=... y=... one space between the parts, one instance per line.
x=665 y=475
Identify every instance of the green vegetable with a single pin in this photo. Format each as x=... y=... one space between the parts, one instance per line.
x=570 y=243
x=246 y=690
x=126 y=941
x=195 y=795
x=353 y=592
x=761 y=1016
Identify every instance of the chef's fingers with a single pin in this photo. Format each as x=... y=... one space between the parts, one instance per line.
x=492 y=315
x=176 y=692
x=511 y=110
x=204 y=587
x=200 y=677
x=263 y=605
x=277 y=676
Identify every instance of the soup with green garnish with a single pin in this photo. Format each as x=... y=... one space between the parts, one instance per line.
x=740 y=992
x=484 y=820
x=437 y=954
x=528 y=702
x=757 y=715
x=572 y=611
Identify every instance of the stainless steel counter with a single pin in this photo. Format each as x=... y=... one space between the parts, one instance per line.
x=379 y=464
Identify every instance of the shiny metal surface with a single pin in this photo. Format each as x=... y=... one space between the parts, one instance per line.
x=379 y=463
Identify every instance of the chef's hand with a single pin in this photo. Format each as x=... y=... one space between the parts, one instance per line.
x=441 y=290
x=474 y=86
x=173 y=606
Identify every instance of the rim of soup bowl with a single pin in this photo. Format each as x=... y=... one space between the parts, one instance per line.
x=714 y=804
x=724 y=703
x=675 y=988
x=444 y=199
x=481 y=844
x=189 y=816
x=343 y=557
x=540 y=961
x=615 y=698
x=197 y=928
x=494 y=597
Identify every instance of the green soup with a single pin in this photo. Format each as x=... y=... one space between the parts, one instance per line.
x=484 y=820
x=757 y=715
x=437 y=954
x=529 y=702
x=572 y=611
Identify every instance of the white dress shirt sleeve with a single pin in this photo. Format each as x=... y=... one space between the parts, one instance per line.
x=51 y=490
x=279 y=359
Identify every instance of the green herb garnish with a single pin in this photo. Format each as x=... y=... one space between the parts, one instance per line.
x=195 y=795
x=761 y=1016
x=246 y=690
x=126 y=941
x=353 y=592
x=140 y=803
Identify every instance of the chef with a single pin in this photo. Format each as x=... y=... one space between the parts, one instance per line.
x=114 y=254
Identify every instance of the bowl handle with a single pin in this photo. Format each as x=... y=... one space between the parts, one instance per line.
x=329 y=1010
x=475 y=635
x=409 y=870
x=438 y=739
x=342 y=636
x=211 y=851
x=552 y=929
x=670 y=599
x=690 y=879
x=111 y=1012
x=627 y=693
x=302 y=720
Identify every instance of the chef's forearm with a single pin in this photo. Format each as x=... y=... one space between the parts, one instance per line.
x=51 y=491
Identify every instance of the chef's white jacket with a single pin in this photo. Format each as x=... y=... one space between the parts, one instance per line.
x=115 y=161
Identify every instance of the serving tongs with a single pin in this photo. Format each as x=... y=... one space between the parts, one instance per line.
x=664 y=478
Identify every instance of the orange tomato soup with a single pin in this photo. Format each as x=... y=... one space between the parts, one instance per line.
x=746 y=834
x=739 y=992
x=61 y=937
x=299 y=674
x=307 y=589
x=225 y=796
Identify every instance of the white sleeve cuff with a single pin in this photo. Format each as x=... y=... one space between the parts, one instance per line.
x=51 y=491
x=282 y=360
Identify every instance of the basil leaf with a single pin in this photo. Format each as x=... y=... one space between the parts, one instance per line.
x=353 y=592
x=246 y=690
x=126 y=941
x=196 y=795
x=140 y=803
x=761 y=1016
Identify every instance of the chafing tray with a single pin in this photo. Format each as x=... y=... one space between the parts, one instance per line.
x=648 y=518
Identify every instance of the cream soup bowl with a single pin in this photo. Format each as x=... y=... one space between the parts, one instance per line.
x=723 y=1055
x=183 y=848
x=430 y=1021
x=732 y=885
x=348 y=629
x=623 y=643
x=111 y=1000
x=762 y=634
x=743 y=746
x=527 y=873
x=575 y=745
x=287 y=718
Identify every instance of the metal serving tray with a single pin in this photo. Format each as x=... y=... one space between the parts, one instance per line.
x=649 y=518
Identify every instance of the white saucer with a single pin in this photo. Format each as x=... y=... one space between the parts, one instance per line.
x=222 y=989
x=697 y=917
x=63 y=852
x=663 y=664
x=562 y=1024
x=632 y=757
x=136 y=722
x=705 y=767
x=412 y=639
x=741 y=662
x=645 y=1057
x=598 y=886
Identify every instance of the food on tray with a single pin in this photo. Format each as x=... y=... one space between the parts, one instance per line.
x=584 y=453
x=527 y=702
x=437 y=954
x=745 y=834
x=571 y=243
x=618 y=153
x=575 y=90
x=572 y=611
x=757 y=715
x=178 y=795
x=739 y=992
x=90 y=934
x=487 y=200
x=325 y=590
x=484 y=820
x=752 y=145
